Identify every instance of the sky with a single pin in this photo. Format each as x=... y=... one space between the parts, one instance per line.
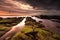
x=29 y=7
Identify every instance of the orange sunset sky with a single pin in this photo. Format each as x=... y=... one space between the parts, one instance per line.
x=3 y=13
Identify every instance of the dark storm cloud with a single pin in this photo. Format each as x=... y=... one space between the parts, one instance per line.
x=45 y=4
x=12 y=6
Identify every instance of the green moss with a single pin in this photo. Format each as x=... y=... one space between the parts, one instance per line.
x=20 y=36
x=30 y=28
x=3 y=28
x=27 y=29
x=56 y=36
